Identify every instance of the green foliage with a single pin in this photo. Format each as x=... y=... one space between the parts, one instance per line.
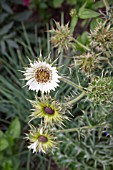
x=57 y=3
x=14 y=129
x=3 y=144
x=8 y=20
x=74 y=19
x=13 y=101
x=8 y=141
x=85 y=13
x=85 y=151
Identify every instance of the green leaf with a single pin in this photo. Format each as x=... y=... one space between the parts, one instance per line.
x=14 y=129
x=3 y=144
x=23 y=16
x=7 y=8
x=6 y=28
x=73 y=23
x=1 y=134
x=94 y=23
x=72 y=2
x=84 y=37
x=98 y=4
x=3 y=16
x=83 y=7
x=43 y=5
x=2 y=47
x=20 y=2
x=8 y=36
x=7 y=165
x=88 y=13
x=57 y=3
x=12 y=43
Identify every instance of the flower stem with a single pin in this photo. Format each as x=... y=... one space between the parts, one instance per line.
x=76 y=99
x=72 y=84
x=106 y=5
x=61 y=57
x=80 y=128
x=76 y=86
x=82 y=45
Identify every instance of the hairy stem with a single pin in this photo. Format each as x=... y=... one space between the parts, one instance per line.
x=82 y=45
x=72 y=84
x=84 y=127
x=106 y=5
x=76 y=99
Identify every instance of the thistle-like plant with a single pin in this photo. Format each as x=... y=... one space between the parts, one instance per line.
x=51 y=110
x=87 y=62
x=100 y=90
x=61 y=37
x=43 y=76
x=101 y=38
x=40 y=140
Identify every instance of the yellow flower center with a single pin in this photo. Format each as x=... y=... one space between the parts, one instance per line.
x=42 y=138
x=48 y=110
x=42 y=75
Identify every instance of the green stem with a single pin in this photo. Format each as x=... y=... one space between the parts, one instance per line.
x=106 y=4
x=80 y=44
x=72 y=84
x=28 y=161
x=80 y=128
x=27 y=40
x=48 y=39
x=61 y=57
x=76 y=99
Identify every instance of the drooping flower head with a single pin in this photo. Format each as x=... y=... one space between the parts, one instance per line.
x=41 y=76
x=50 y=110
x=41 y=140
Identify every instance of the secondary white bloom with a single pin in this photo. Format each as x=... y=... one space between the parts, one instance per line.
x=41 y=76
x=40 y=140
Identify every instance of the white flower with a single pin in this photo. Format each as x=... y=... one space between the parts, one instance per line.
x=41 y=140
x=41 y=76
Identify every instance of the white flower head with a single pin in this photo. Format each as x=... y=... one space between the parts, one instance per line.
x=40 y=140
x=41 y=76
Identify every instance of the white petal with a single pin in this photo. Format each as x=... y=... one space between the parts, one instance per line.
x=33 y=146
x=30 y=81
x=28 y=77
x=29 y=70
x=41 y=131
x=33 y=85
